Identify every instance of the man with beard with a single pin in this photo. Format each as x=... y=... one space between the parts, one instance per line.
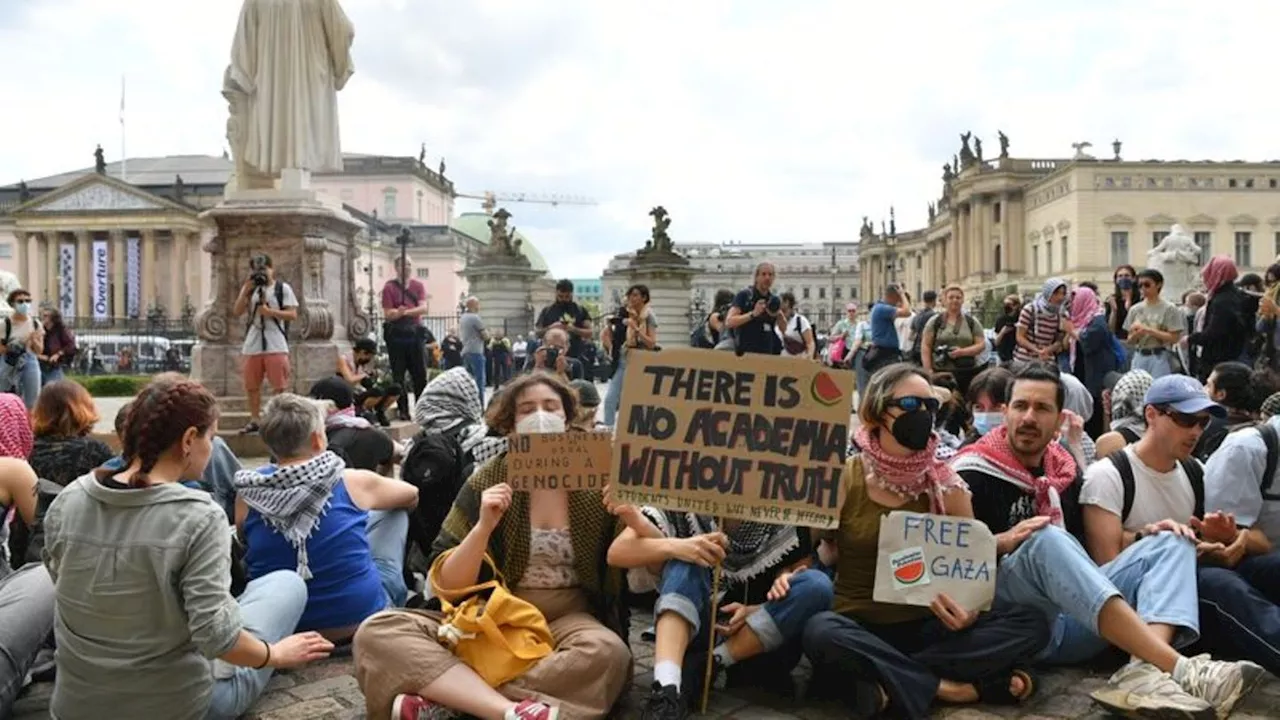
x=1024 y=487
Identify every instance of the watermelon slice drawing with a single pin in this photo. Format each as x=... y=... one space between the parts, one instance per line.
x=908 y=568
x=825 y=389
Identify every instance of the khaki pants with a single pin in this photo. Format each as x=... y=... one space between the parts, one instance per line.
x=397 y=652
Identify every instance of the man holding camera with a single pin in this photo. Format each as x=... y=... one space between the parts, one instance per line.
x=567 y=315
x=271 y=306
x=404 y=304
x=554 y=357
x=754 y=314
x=23 y=341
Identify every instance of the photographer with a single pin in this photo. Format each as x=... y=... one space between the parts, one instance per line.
x=404 y=304
x=566 y=314
x=373 y=392
x=23 y=341
x=266 y=344
x=554 y=357
x=754 y=313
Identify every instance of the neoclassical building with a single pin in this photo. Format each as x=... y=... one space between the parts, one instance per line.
x=1007 y=224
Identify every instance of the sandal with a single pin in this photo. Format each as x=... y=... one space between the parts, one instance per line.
x=995 y=688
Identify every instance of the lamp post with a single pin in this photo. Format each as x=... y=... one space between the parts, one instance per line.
x=835 y=270
x=368 y=268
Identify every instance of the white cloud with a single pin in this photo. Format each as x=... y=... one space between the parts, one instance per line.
x=749 y=120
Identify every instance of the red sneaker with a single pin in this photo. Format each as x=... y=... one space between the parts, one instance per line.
x=411 y=707
x=533 y=710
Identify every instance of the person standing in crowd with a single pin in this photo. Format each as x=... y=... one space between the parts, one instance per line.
x=952 y=340
x=22 y=344
x=634 y=328
x=885 y=347
x=754 y=314
x=858 y=351
x=1224 y=335
x=149 y=657
x=878 y=657
x=1192 y=303
x=404 y=302
x=842 y=336
x=1154 y=327
x=500 y=350
x=1006 y=329
x=59 y=350
x=474 y=338
x=568 y=315
x=918 y=323
x=266 y=341
x=451 y=350
x=1093 y=352
x=794 y=330
x=1118 y=304
x=519 y=353
x=1025 y=489
x=1042 y=324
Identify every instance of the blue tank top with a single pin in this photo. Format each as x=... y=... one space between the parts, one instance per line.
x=345 y=587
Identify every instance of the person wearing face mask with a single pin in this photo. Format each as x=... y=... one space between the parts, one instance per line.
x=22 y=343
x=1118 y=304
x=1043 y=324
x=881 y=658
x=1154 y=325
x=1027 y=488
x=551 y=549
x=986 y=399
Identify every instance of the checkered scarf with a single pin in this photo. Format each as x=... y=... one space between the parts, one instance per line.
x=754 y=548
x=293 y=498
x=16 y=439
x=452 y=400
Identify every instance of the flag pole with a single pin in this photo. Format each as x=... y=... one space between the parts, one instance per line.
x=124 y=157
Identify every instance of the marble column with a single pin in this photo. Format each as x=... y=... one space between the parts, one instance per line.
x=119 y=274
x=1015 y=241
x=51 y=241
x=150 y=280
x=32 y=270
x=84 y=281
x=176 y=271
x=25 y=280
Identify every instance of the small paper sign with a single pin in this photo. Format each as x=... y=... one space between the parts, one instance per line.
x=559 y=461
x=923 y=555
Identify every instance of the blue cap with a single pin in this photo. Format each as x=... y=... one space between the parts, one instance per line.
x=1182 y=394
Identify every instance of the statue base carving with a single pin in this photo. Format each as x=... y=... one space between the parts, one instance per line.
x=312 y=248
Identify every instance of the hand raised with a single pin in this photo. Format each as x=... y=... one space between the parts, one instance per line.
x=493 y=505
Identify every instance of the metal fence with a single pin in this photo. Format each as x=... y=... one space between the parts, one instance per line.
x=131 y=346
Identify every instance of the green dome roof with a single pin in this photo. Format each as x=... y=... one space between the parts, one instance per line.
x=476 y=224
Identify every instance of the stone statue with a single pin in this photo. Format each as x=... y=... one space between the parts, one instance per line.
x=8 y=283
x=966 y=155
x=442 y=167
x=661 y=241
x=867 y=228
x=24 y=192
x=179 y=188
x=422 y=155
x=977 y=148
x=893 y=224
x=289 y=59
x=1004 y=143
x=500 y=237
x=1177 y=257
x=947 y=174
x=1080 y=148
x=955 y=164
x=932 y=212
x=99 y=161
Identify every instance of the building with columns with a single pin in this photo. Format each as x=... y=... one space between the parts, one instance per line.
x=1007 y=224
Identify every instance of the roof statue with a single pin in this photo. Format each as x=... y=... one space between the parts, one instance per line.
x=1177 y=257
x=661 y=241
x=24 y=192
x=893 y=225
x=179 y=188
x=442 y=167
x=932 y=212
x=1080 y=148
x=1115 y=148
x=867 y=227
x=966 y=154
x=947 y=174
x=99 y=161
x=422 y=155
x=289 y=59
x=1004 y=143
x=502 y=241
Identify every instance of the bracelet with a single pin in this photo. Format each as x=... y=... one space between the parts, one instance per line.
x=268 y=660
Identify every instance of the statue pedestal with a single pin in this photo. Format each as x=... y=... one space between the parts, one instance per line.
x=670 y=280
x=312 y=245
x=503 y=286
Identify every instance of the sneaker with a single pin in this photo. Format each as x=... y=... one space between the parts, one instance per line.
x=664 y=703
x=250 y=429
x=1141 y=690
x=411 y=707
x=1221 y=684
x=532 y=710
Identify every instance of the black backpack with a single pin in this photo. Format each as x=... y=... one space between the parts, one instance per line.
x=1193 y=469
x=438 y=467
x=1272 y=440
x=700 y=337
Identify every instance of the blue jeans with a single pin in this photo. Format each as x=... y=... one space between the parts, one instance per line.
x=1053 y=572
x=1158 y=365
x=474 y=363
x=23 y=379
x=54 y=374
x=613 y=395
x=270 y=608
x=685 y=589
x=1240 y=609
x=26 y=619
x=387 y=530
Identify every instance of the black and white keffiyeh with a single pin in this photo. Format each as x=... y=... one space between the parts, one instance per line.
x=293 y=498
x=452 y=401
x=754 y=548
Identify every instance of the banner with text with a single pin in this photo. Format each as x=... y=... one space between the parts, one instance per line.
x=133 y=272
x=757 y=437
x=923 y=555
x=67 y=279
x=559 y=461
x=101 y=281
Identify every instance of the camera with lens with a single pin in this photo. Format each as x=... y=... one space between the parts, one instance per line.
x=941 y=354
x=552 y=356
x=14 y=352
x=258 y=265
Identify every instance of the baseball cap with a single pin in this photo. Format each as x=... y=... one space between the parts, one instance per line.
x=1182 y=394
x=335 y=390
x=588 y=395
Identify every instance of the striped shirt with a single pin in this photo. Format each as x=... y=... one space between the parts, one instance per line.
x=1043 y=329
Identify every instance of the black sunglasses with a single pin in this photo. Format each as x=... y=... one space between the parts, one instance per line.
x=1184 y=420
x=911 y=403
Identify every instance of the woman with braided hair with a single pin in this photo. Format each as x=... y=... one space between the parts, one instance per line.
x=141 y=565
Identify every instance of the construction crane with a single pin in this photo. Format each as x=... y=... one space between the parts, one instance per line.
x=490 y=199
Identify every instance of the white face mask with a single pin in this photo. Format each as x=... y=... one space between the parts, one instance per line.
x=540 y=421
x=985 y=422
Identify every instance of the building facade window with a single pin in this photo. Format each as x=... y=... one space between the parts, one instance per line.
x=996 y=251
x=423 y=273
x=1048 y=257
x=995 y=213
x=1119 y=248
x=853 y=292
x=804 y=293
x=839 y=291
x=389 y=204
x=1065 y=263
x=1204 y=240
x=1035 y=259
x=6 y=250
x=822 y=293
x=1244 y=239
x=1277 y=247
x=1157 y=236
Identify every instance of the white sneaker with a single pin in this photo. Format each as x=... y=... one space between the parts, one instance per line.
x=1141 y=690
x=1221 y=684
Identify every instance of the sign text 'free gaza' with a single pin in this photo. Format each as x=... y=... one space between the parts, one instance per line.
x=752 y=437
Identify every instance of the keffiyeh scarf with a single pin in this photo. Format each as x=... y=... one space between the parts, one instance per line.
x=754 y=548
x=16 y=438
x=292 y=498
x=346 y=418
x=992 y=455
x=451 y=400
x=920 y=473
x=1127 y=400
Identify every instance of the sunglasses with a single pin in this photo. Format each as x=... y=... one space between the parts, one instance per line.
x=1184 y=420
x=912 y=403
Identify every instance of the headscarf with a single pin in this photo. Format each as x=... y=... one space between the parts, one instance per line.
x=16 y=438
x=1084 y=308
x=451 y=401
x=909 y=477
x=1050 y=287
x=1077 y=399
x=1220 y=271
x=992 y=455
x=1128 y=398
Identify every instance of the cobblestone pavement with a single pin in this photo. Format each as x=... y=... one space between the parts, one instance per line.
x=328 y=691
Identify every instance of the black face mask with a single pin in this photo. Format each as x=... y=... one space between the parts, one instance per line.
x=912 y=430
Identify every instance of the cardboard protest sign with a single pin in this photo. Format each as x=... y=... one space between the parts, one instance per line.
x=757 y=437
x=924 y=555
x=559 y=461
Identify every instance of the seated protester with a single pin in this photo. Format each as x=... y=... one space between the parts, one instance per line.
x=896 y=658
x=1231 y=385
x=451 y=404
x=550 y=548
x=26 y=600
x=18 y=486
x=1128 y=420
x=352 y=438
x=1026 y=489
x=673 y=552
x=169 y=545
x=1077 y=410
x=1270 y=407
x=310 y=513
x=374 y=391
x=588 y=404
x=986 y=399
x=553 y=356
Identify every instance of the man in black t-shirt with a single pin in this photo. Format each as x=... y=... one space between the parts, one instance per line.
x=566 y=314
x=1006 y=329
x=754 y=313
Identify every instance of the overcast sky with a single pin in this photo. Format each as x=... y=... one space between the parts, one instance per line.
x=750 y=120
